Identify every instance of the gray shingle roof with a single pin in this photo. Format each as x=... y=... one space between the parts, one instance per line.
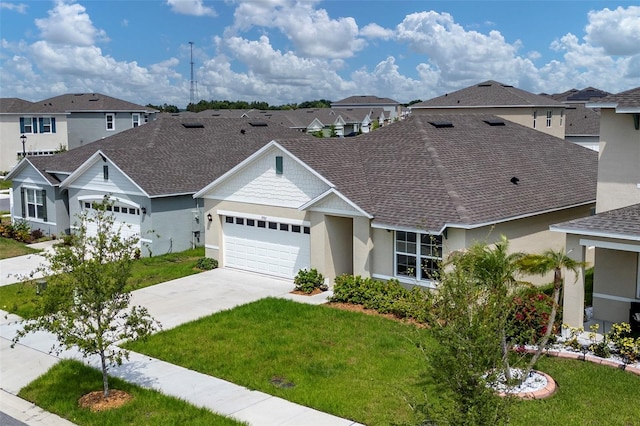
x=488 y=93
x=628 y=99
x=620 y=223
x=365 y=100
x=75 y=102
x=163 y=157
x=412 y=174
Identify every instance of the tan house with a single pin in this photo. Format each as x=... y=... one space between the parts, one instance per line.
x=491 y=97
x=614 y=232
x=394 y=202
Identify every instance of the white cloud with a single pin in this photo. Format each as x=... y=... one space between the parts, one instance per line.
x=617 y=31
x=311 y=30
x=376 y=31
x=68 y=23
x=386 y=81
x=191 y=7
x=20 y=7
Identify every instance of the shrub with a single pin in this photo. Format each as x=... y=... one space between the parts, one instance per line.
x=308 y=280
x=625 y=345
x=36 y=234
x=384 y=297
x=207 y=263
x=529 y=317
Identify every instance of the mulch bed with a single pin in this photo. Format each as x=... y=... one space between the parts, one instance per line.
x=95 y=401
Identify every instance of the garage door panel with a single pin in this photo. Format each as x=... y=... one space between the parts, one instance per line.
x=265 y=250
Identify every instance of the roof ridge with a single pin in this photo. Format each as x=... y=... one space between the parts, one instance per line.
x=456 y=199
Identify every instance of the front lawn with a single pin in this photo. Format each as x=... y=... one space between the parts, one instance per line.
x=12 y=248
x=366 y=368
x=61 y=387
x=21 y=298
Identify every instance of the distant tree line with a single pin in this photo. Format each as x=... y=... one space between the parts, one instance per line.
x=164 y=108
x=226 y=104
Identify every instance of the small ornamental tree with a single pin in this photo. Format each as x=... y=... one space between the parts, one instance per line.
x=86 y=304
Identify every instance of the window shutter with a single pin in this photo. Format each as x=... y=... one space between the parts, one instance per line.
x=41 y=124
x=34 y=123
x=44 y=205
x=24 y=203
x=53 y=124
x=21 y=124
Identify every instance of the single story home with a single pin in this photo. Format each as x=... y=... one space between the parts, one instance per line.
x=393 y=203
x=151 y=173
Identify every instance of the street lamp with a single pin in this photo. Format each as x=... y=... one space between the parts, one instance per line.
x=23 y=138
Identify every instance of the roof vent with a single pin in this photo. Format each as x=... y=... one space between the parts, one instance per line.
x=243 y=131
x=93 y=99
x=258 y=124
x=441 y=124
x=514 y=180
x=193 y=125
x=494 y=122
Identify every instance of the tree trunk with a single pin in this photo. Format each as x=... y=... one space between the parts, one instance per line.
x=105 y=377
x=505 y=356
x=557 y=286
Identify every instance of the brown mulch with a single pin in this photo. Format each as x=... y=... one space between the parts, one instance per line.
x=359 y=308
x=314 y=292
x=95 y=401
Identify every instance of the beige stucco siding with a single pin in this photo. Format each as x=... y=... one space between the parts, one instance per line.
x=382 y=255
x=619 y=162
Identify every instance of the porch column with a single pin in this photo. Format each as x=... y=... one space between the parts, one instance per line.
x=573 y=305
x=362 y=246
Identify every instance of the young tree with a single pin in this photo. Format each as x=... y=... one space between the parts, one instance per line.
x=86 y=303
x=541 y=264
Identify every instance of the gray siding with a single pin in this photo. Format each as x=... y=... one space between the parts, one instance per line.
x=87 y=127
x=173 y=223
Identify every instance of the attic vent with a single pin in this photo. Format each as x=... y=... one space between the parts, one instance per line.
x=258 y=124
x=485 y=85
x=441 y=124
x=494 y=122
x=93 y=99
x=193 y=125
x=78 y=94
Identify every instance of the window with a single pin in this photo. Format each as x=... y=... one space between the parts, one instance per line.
x=228 y=219
x=105 y=172
x=279 y=165
x=561 y=118
x=239 y=221
x=45 y=125
x=27 y=125
x=295 y=228
x=273 y=225
x=549 y=115
x=284 y=227
x=111 y=122
x=262 y=224
x=411 y=246
x=135 y=120
x=535 y=117
x=34 y=204
x=251 y=222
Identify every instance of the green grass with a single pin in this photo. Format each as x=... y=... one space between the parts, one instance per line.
x=348 y=364
x=21 y=298
x=366 y=368
x=5 y=184
x=12 y=248
x=59 y=390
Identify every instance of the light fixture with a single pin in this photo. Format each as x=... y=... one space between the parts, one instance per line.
x=144 y=210
x=209 y=217
x=23 y=139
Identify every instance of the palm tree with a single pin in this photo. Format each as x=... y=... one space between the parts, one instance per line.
x=541 y=264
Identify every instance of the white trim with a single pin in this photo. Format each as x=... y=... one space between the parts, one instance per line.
x=116 y=199
x=638 y=278
x=587 y=233
x=614 y=298
x=203 y=192
x=265 y=218
x=91 y=161
x=610 y=245
x=212 y=246
x=324 y=195
x=21 y=165
x=113 y=121
x=32 y=219
x=407 y=280
x=145 y=240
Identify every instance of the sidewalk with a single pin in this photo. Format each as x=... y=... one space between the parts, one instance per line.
x=174 y=303
x=13 y=268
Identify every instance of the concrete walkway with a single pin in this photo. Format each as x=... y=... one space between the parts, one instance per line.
x=173 y=303
x=13 y=269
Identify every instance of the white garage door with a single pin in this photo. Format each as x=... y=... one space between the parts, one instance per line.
x=267 y=247
x=126 y=218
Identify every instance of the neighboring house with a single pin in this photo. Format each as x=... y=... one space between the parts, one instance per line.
x=614 y=232
x=581 y=124
x=513 y=104
x=94 y=116
x=392 y=109
x=151 y=172
x=394 y=202
x=44 y=129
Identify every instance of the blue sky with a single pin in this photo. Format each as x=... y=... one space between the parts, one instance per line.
x=283 y=51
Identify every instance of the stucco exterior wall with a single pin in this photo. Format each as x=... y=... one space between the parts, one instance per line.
x=619 y=162
x=11 y=144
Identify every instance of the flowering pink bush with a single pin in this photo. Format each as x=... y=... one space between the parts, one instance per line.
x=529 y=317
